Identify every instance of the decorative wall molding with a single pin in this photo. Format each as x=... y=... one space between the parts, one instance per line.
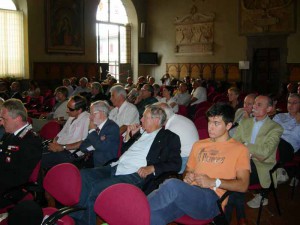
x=210 y=71
x=194 y=33
x=267 y=17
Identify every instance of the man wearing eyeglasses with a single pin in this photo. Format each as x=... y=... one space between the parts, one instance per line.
x=145 y=98
x=70 y=137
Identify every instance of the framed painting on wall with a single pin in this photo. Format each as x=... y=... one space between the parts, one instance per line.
x=65 y=26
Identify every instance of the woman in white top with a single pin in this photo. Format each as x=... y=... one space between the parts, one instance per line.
x=167 y=98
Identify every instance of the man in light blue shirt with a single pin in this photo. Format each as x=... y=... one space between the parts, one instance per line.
x=290 y=139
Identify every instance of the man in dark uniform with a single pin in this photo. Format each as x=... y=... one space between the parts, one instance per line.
x=20 y=147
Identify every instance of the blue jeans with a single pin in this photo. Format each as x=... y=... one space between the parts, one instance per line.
x=94 y=181
x=174 y=198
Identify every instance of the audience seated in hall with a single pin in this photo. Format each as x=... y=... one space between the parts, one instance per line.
x=67 y=84
x=188 y=81
x=290 y=140
x=124 y=113
x=157 y=94
x=168 y=98
x=70 y=137
x=34 y=90
x=151 y=80
x=148 y=153
x=103 y=138
x=59 y=111
x=184 y=128
x=3 y=91
x=15 y=90
x=274 y=109
x=83 y=87
x=243 y=113
x=129 y=85
x=145 y=98
x=96 y=93
x=183 y=97
x=261 y=136
x=233 y=97
x=198 y=96
x=205 y=180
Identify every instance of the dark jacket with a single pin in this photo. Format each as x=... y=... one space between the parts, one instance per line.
x=106 y=143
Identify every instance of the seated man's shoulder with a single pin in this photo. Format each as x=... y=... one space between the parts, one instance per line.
x=168 y=133
x=112 y=123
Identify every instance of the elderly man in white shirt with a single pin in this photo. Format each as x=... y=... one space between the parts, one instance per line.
x=184 y=128
x=124 y=113
x=183 y=97
x=198 y=95
x=70 y=137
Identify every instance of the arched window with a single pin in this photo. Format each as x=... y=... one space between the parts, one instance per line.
x=11 y=40
x=113 y=35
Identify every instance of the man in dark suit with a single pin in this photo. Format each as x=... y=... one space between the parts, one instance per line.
x=149 y=152
x=103 y=138
x=15 y=90
x=20 y=148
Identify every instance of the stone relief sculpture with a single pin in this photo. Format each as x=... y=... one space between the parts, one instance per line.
x=267 y=16
x=195 y=33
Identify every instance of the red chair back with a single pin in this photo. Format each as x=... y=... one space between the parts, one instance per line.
x=182 y=110
x=201 y=122
x=123 y=204
x=63 y=182
x=50 y=130
x=203 y=134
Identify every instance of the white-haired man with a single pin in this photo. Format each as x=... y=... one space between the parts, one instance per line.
x=124 y=113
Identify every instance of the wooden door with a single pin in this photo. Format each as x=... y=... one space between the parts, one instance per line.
x=266 y=70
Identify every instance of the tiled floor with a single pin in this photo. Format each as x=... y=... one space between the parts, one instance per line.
x=290 y=208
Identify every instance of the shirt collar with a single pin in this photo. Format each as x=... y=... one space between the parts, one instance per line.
x=17 y=131
x=102 y=124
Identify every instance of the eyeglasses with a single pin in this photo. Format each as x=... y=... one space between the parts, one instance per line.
x=71 y=110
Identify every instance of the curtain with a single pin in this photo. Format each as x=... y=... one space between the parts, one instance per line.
x=11 y=44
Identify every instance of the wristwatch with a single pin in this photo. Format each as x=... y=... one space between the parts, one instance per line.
x=217 y=184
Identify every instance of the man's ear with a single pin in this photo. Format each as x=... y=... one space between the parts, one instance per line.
x=269 y=109
x=229 y=125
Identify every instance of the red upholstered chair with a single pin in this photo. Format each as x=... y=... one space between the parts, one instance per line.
x=182 y=110
x=186 y=220
x=203 y=133
x=63 y=182
x=201 y=122
x=50 y=130
x=123 y=204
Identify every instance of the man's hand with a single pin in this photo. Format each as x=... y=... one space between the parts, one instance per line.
x=55 y=147
x=189 y=177
x=204 y=181
x=246 y=114
x=92 y=125
x=133 y=128
x=145 y=171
